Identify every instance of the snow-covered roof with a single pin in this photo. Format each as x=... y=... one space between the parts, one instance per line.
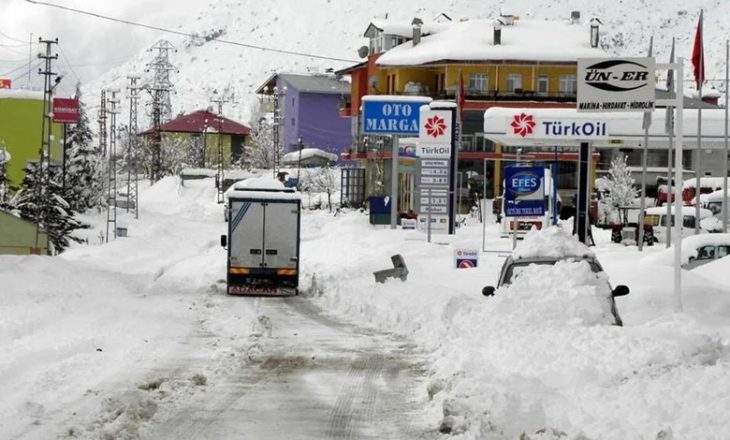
x=471 y=40
x=402 y=28
x=262 y=188
x=307 y=153
x=551 y=242
x=20 y=94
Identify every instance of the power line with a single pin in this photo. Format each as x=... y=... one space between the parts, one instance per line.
x=12 y=38
x=20 y=67
x=185 y=34
x=65 y=61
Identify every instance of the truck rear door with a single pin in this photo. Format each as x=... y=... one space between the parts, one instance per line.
x=280 y=235
x=247 y=232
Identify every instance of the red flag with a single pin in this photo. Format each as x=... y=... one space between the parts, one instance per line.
x=462 y=97
x=698 y=55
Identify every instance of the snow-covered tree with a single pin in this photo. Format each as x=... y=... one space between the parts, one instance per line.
x=321 y=180
x=84 y=165
x=262 y=154
x=4 y=180
x=615 y=190
x=45 y=204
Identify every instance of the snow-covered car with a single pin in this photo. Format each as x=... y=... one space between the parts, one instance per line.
x=703 y=249
x=552 y=265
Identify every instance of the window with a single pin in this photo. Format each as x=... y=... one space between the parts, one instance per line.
x=722 y=251
x=514 y=82
x=478 y=82
x=568 y=84
x=293 y=122
x=543 y=83
x=706 y=252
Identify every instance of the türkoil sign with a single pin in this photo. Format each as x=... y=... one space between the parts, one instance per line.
x=526 y=124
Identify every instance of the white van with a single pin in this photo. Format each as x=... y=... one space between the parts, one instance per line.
x=657 y=218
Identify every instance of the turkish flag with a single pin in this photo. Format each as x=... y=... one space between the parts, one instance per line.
x=698 y=55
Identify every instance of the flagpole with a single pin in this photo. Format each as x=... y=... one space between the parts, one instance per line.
x=669 y=127
x=642 y=203
x=698 y=168
x=679 y=127
x=724 y=161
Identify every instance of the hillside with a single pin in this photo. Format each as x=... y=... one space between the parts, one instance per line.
x=334 y=29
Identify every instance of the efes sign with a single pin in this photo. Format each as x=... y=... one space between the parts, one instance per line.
x=616 y=84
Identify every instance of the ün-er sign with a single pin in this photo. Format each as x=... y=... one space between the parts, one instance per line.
x=385 y=114
x=616 y=84
x=65 y=111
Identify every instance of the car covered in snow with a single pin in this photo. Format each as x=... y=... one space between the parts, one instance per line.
x=706 y=248
x=556 y=269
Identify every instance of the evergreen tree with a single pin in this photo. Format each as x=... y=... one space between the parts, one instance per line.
x=616 y=190
x=46 y=205
x=84 y=165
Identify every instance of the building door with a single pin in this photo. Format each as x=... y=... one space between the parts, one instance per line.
x=237 y=147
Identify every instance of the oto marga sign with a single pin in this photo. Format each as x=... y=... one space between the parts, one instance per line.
x=616 y=84
x=392 y=114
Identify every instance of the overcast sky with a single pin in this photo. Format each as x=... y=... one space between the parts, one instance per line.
x=88 y=46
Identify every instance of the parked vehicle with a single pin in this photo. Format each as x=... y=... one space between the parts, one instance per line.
x=263 y=238
x=657 y=218
x=705 y=249
x=713 y=201
x=512 y=268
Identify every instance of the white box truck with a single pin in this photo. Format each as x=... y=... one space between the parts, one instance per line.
x=263 y=238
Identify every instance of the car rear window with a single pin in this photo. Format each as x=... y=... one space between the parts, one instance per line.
x=517 y=268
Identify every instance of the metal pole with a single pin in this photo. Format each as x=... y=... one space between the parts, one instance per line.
x=394 y=185
x=698 y=167
x=428 y=217
x=514 y=225
x=642 y=202
x=554 y=183
x=724 y=157
x=669 y=128
x=299 y=166
x=63 y=161
x=484 y=217
x=679 y=127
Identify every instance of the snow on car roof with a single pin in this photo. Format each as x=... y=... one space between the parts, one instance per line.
x=686 y=210
x=690 y=244
x=551 y=242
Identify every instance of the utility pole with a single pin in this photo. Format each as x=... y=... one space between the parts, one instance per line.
x=111 y=207
x=219 y=120
x=277 y=124
x=132 y=180
x=102 y=124
x=44 y=160
x=160 y=88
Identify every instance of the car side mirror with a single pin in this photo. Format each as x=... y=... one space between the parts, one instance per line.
x=224 y=240
x=620 y=290
x=488 y=291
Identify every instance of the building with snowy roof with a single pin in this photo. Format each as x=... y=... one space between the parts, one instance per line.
x=308 y=106
x=202 y=129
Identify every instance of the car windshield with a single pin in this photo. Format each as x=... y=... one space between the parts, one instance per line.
x=516 y=269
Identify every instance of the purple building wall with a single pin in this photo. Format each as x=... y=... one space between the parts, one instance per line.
x=315 y=117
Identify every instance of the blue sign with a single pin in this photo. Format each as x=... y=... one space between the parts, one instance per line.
x=524 y=193
x=391 y=117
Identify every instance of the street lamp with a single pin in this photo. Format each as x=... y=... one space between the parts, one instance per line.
x=299 y=163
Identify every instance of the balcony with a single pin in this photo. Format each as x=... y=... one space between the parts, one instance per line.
x=516 y=95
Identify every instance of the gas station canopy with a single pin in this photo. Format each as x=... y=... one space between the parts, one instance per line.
x=568 y=128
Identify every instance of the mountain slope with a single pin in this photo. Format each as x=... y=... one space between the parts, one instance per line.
x=334 y=28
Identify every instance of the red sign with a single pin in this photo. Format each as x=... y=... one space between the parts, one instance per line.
x=523 y=124
x=66 y=111
x=5 y=83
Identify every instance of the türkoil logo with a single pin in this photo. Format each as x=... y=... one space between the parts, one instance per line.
x=525 y=126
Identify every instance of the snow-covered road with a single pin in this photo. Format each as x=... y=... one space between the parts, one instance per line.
x=306 y=376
